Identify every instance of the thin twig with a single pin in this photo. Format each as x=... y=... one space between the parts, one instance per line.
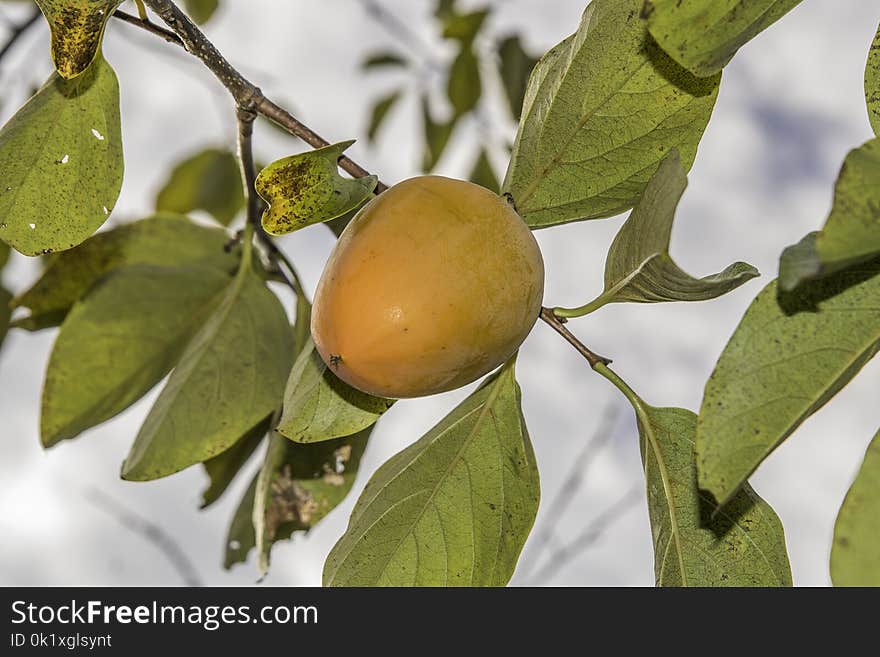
x=400 y=31
x=591 y=533
x=149 y=26
x=558 y=325
x=151 y=532
x=18 y=31
x=569 y=489
x=246 y=118
x=246 y=94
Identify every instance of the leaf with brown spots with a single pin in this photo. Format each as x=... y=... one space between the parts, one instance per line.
x=855 y=559
x=307 y=189
x=872 y=83
x=300 y=484
x=791 y=353
x=77 y=28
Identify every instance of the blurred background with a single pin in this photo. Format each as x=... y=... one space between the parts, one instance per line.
x=791 y=106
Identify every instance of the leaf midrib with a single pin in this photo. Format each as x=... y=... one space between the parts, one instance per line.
x=538 y=179
x=651 y=439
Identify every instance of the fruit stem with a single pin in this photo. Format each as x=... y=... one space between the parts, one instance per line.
x=557 y=323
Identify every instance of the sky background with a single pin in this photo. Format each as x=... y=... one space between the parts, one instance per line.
x=791 y=106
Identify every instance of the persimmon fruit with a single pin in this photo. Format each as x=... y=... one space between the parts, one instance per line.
x=433 y=284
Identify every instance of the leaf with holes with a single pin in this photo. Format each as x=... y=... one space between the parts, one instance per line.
x=790 y=354
x=852 y=231
x=120 y=341
x=299 y=485
x=639 y=268
x=164 y=240
x=601 y=111
x=223 y=468
x=241 y=538
x=209 y=181
x=452 y=509
x=307 y=189
x=855 y=560
x=77 y=28
x=695 y=542
x=319 y=406
x=230 y=377
x=703 y=35
x=61 y=158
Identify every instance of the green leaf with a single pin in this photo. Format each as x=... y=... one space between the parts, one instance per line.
x=120 y=341
x=5 y=313
x=444 y=9
x=464 y=87
x=436 y=136
x=4 y=254
x=790 y=354
x=319 y=406
x=223 y=468
x=383 y=60
x=695 y=542
x=872 y=84
x=61 y=158
x=209 y=181
x=601 y=111
x=454 y=508
x=299 y=485
x=77 y=28
x=703 y=35
x=855 y=560
x=229 y=378
x=307 y=189
x=852 y=231
x=483 y=173
x=639 y=268
x=241 y=538
x=201 y=11
x=164 y=240
x=464 y=27
x=515 y=67
x=380 y=113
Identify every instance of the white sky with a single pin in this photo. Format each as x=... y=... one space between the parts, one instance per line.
x=791 y=106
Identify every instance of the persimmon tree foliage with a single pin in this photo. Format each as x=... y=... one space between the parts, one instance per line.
x=609 y=121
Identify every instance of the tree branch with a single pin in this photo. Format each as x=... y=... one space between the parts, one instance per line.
x=246 y=94
x=149 y=531
x=546 y=533
x=18 y=31
x=558 y=325
x=590 y=534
